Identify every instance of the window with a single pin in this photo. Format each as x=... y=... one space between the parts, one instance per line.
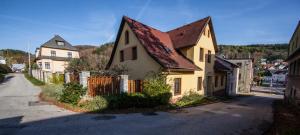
x=121 y=56
x=199 y=84
x=222 y=80
x=126 y=37
x=208 y=33
x=40 y=65
x=134 y=53
x=177 y=86
x=53 y=53
x=216 y=81
x=47 y=65
x=60 y=43
x=209 y=57
x=201 y=54
x=70 y=54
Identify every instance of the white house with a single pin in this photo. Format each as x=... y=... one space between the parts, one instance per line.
x=54 y=55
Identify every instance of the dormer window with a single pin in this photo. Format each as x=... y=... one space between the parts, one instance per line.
x=126 y=37
x=60 y=43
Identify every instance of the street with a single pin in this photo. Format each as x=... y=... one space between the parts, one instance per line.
x=22 y=114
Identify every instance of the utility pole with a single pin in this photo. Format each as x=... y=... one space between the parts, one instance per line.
x=29 y=65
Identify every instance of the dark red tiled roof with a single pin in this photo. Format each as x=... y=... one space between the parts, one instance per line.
x=162 y=46
x=159 y=45
x=187 y=35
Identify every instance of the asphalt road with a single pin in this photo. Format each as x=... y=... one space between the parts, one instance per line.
x=21 y=115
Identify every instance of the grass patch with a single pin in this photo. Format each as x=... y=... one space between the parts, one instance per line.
x=286 y=119
x=33 y=80
x=194 y=99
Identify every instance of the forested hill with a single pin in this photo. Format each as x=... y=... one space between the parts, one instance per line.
x=257 y=51
x=15 y=56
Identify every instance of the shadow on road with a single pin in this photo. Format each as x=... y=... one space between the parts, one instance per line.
x=7 y=78
x=86 y=123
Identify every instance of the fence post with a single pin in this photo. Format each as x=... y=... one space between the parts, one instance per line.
x=67 y=77
x=83 y=76
x=124 y=83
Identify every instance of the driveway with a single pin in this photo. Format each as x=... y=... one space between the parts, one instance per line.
x=19 y=115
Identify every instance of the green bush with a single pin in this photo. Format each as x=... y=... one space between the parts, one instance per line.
x=57 y=79
x=53 y=90
x=125 y=100
x=71 y=93
x=190 y=99
x=98 y=103
x=33 y=80
x=4 y=69
x=157 y=90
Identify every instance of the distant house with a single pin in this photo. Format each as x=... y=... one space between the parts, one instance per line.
x=54 y=55
x=292 y=92
x=280 y=76
x=18 y=67
x=263 y=61
x=2 y=60
x=245 y=74
x=185 y=54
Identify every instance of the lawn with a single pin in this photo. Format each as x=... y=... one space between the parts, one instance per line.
x=33 y=80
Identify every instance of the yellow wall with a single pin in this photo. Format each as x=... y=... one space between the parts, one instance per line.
x=143 y=65
x=189 y=81
x=59 y=52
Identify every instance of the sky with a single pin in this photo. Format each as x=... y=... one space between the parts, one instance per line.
x=30 y=23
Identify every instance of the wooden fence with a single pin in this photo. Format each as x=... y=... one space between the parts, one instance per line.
x=135 y=86
x=103 y=85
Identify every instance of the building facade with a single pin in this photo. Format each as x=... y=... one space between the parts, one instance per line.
x=186 y=55
x=292 y=92
x=245 y=75
x=54 y=55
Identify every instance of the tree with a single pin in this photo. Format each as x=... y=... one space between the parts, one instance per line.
x=77 y=65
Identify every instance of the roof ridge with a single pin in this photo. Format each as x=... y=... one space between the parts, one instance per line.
x=208 y=17
x=142 y=23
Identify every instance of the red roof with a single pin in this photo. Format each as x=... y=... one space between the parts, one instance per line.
x=161 y=46
x=187 y=35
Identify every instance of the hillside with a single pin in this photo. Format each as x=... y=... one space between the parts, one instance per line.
x=256 y=51
x=15 y=56
x=95 y=56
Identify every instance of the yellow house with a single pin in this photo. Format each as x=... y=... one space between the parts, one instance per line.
x=185 y=54
x=54 y=55
x=292 y=92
